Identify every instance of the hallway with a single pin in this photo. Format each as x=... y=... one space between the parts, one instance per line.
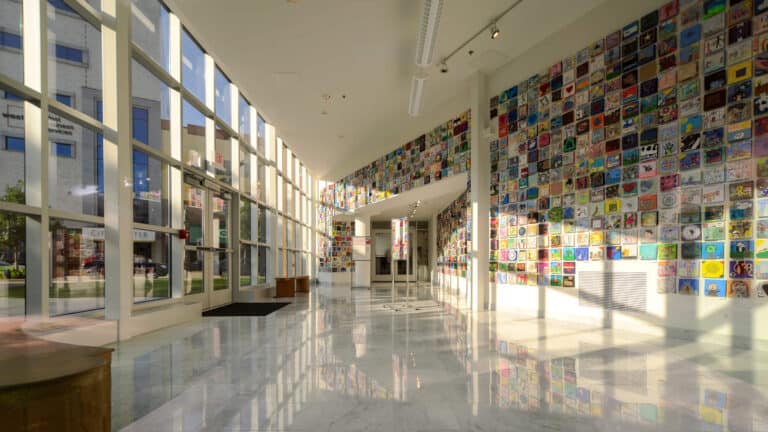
x=353 y=364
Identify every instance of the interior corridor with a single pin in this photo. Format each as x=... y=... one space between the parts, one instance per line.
x=351 y=363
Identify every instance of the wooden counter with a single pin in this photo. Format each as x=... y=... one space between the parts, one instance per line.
x=52 y=386
x=285 y=287
x=302 y=284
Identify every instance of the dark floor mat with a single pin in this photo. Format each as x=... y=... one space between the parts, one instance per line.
x=245 y=309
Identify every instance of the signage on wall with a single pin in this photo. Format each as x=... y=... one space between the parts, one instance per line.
x=56 y=125
x=97 y=234
x=361 y=248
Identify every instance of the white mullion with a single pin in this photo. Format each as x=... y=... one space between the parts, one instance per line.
x=177 y=186
x=234 y=99
x=79 y=217
x=75 y=116
x=87 y=12
x=210 y=83
x=210 y=122
x=140 y=56
x=157 y=154
x=19 y=88
x=254 y=128
x=117 y=150
x=35 y=50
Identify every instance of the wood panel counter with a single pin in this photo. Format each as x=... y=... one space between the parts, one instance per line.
x=52 y=386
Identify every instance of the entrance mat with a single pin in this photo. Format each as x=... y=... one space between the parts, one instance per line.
x=245 y=309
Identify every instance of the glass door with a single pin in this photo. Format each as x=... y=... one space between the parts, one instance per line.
x=220 y=292
x=382 y=242
x=206 y=252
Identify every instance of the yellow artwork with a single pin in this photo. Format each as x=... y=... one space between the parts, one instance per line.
x=712 y=269
x=739 y=72
x=596 y=238
x=612 y=206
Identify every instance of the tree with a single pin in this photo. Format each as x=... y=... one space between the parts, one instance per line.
x=12 y=226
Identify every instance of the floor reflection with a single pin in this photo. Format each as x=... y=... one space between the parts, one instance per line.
x=352 y=363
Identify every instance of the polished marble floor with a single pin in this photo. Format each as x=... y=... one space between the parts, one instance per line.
x=363 y=362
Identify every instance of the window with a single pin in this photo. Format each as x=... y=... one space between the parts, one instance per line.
x=263 y=263
x=246 y=264
x=12 y=159
x=261 y=130
x=60 y=5
x=14 y=144
x=74 y=55
x=76 y=178
x=262 y=225
x=140 y=125
x=151 y=265
x=151 y=30
x=223 y=97
x=261 y=184
x=193 y=66
x=10 y=96
x=193 y=136
x=66 y=150
x=246 y=219
x=151 y=112
x=10 y=40
x=244 y=126
x=222 y=163
x=74 y=61
x=77 y=267
x=13 y=274
x=64 y=99
x=245 y=171
x=11 y=55
x=151 y=178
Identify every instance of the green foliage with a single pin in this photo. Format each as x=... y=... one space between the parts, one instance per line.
x=12 y=225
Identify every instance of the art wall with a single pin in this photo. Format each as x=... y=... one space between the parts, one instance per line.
x=454 y=237
x=644 y=151
x=336 y=249
x=442 y=152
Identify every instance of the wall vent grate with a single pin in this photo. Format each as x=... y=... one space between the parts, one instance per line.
x=620 y=291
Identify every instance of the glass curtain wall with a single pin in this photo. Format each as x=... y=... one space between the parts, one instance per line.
x=224 y=139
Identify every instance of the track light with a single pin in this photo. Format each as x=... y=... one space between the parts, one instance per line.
x=495 y=32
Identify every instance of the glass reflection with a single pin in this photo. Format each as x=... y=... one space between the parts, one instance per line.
x=74 y=59
x=77 y=267
x=11 y=54
x=13 y=270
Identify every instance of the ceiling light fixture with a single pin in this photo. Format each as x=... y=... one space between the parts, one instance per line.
x=430 y=20
x=495 y=32
x=417 y=93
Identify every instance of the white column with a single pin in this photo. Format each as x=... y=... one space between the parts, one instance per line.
x=176 y=199
x=118 y=213
x=480 y=197
x=36 y=155
x=433 y=248
x=363 y=268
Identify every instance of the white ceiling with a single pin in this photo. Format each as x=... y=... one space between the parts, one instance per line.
x=286 y=54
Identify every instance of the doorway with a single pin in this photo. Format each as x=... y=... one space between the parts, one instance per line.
x=207 y=252
x=382 y=247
